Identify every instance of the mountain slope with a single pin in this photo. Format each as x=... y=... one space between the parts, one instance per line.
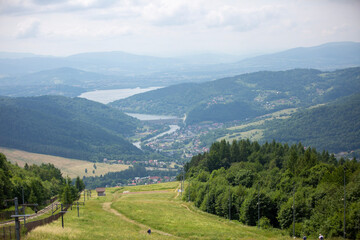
x=75 y=128
x=327 y=56
x=247 y=95
x=334 y=127
x=136 y=70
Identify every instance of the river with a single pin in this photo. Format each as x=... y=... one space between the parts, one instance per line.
x=173 y=128
x=148 y=117
x=107 y=96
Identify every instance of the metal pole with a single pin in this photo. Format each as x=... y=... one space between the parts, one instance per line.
x=17 y=222
x=294 y=211
x=23 y=201
x=229 y=204
x=259 y=207
x=78 y=208
x=344 y=203
x=182 y=182
x=189 y=191
x=84 y=195
x=62 y=216
x=207 y=205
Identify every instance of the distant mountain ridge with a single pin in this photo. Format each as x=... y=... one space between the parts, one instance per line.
x=329 y=56
x=123 y=70
x=67 y=127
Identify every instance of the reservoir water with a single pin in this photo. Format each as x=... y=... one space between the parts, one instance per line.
x=148 y=117
x=107 y=96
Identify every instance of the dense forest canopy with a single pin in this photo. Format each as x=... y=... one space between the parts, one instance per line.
x=334 y=127
x=233 y=180
x=67 y=127
x=38 y=183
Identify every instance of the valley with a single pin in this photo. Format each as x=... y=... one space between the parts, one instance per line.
x=195 y=119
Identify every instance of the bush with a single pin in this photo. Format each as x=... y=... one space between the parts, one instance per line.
x=265 y=223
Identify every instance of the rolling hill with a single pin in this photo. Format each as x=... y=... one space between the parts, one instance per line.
x=245 y=96
x=66 y=127
x=334 y=127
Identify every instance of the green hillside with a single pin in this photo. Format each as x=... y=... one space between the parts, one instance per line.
x=263 y=184
x=67 y=127
x=128 y=212
x=335 y=126
x=245 y=96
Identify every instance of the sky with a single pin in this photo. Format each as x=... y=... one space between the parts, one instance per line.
x=174 y=27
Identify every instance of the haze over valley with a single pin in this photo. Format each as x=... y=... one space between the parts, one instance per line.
x=249 y=111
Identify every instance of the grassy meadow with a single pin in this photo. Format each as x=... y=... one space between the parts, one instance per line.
x=121 y=215
x=256 y=128
x=69 y=167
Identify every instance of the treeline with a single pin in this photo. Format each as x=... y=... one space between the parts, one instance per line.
x=38 y=183
x=66 y=127
x=114 y=178
x=248 y=182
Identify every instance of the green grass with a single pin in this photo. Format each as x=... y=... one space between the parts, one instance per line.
x=159 y=208
x=163 y=212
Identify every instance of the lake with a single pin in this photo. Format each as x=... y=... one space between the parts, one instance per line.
x=148 y=117
x=107 y=96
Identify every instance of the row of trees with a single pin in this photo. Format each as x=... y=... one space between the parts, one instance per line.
x=37 y=183
x=122 y=177
x=270 y=184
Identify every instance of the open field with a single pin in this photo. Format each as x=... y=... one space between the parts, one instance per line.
x=252 y=135
x=256 y=132
x=70 y=167
x=121 y=215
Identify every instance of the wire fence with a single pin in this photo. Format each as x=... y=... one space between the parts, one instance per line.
x=8 y=232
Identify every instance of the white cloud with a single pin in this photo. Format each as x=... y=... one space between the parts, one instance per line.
x=28 y=29
x=241 y=19
x=168 y=13
x=157 y=26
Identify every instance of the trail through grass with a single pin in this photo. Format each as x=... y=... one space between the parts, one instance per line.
x=127 y=213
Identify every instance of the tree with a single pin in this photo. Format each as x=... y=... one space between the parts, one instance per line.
x=79 y=184
x=6 y=186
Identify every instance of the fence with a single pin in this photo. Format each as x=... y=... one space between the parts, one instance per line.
x=8 y=232
x=6 y=215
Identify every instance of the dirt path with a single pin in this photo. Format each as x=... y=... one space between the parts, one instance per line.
x=177 y=191
x=146 y=192
x=107 y=207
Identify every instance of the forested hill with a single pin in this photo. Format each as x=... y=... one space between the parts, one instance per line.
x=335 y=126
x=246 y=181
x=246 y=95
x=67 y=127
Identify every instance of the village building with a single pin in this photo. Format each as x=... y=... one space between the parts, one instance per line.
x=100 y=192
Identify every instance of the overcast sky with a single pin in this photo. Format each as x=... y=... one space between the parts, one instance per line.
x=174 y=27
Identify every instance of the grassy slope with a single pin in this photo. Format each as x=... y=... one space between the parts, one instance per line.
x=162 y=211
x=69 y=167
